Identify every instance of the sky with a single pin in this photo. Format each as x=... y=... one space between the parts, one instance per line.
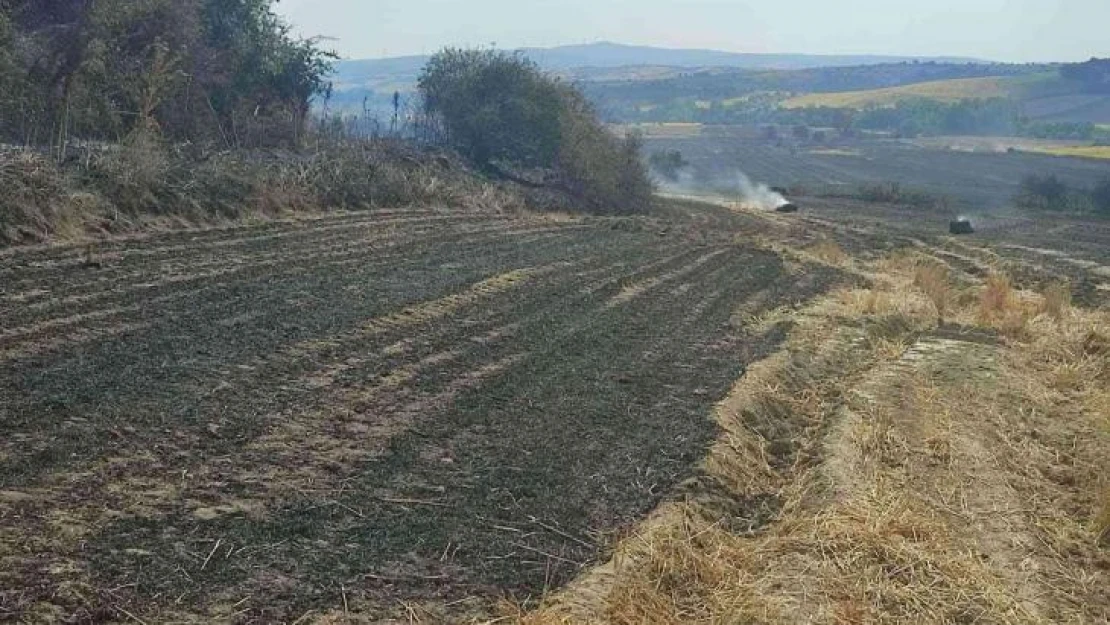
x=1002 y=30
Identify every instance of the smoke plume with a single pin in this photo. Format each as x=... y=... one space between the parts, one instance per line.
x=758 y=195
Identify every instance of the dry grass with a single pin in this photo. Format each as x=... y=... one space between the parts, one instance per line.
x=934 y=280
x=1057 y=300
x=954 y=90
x=958 y=482
x=1081 y=151
x=830 y=252
x=144 y=183
x=1004 y=309
x=1102 y=521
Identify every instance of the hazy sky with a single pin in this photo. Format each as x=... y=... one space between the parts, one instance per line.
x=1007 y=30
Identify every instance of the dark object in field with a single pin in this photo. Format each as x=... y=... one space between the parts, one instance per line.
x=91 y=260
x=789 y=207
x=779 y=190
x=960 y=226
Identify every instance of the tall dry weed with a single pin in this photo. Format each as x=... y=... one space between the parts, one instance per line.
x=934 y=280
x=1001 y=308
x=1102 y=521
x=1057 y=300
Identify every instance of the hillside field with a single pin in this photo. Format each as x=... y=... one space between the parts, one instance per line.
x=255 y=422
x=445 y=415
x=953 y=90
x=971 y=180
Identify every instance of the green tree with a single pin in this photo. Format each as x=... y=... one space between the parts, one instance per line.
x=191 y=69
x=668 y=163
x=499 y=110
x=495 y=106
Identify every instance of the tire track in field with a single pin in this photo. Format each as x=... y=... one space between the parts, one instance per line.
x=176 y=236
x=291 y=476
x=642 y=288
x=149 y=288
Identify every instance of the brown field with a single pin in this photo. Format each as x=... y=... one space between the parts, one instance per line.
x=708 y=415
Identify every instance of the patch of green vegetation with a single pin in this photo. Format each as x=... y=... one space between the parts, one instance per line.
x=501 y=111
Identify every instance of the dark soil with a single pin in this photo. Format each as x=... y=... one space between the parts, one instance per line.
x=256 y=423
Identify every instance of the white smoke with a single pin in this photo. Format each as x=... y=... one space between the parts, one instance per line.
x=737 y=187
x=758 y=195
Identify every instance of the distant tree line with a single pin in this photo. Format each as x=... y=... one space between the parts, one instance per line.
x=227 y=71
x=745 y=97
x=1094 y=75
x=717 y=84
x=1048 y=192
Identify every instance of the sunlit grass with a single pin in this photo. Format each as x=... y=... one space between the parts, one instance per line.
x=942 y=90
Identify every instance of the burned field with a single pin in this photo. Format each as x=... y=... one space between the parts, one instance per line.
x=266 y=422
x=969 y=180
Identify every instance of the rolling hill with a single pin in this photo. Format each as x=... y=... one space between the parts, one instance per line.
x=953 y=90
x=1043 y=96
x=372 y=81
x=612 y=55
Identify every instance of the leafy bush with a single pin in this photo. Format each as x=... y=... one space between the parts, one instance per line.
x=1050 y=193
x=496 y=106
x=227 y=71
x=668 y=164
x=894 y=193
x=503 y=113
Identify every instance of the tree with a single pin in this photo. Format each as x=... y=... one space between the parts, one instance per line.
x=1094 y=75
x=191 y=69
x=496 y=106
x=668 y=164
x=1044 y=192
x=500 y=111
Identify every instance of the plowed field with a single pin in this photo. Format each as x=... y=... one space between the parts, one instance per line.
x=264 y=423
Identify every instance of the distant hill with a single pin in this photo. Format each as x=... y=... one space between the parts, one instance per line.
x=1041 y=96
x=582 y=61
x=953 y=90
x=617 y=55
x=370 y=83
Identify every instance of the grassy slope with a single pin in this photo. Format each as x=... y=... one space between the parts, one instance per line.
x=1101 y=152
x=942 y=90
x=1043 y=96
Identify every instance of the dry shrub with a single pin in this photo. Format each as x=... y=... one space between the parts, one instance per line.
x=997 y=296
x=1001 y=308
x=933 y=279
x=33 y=199
x=145 y=181
x=829 y=252
x=1057 y=300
